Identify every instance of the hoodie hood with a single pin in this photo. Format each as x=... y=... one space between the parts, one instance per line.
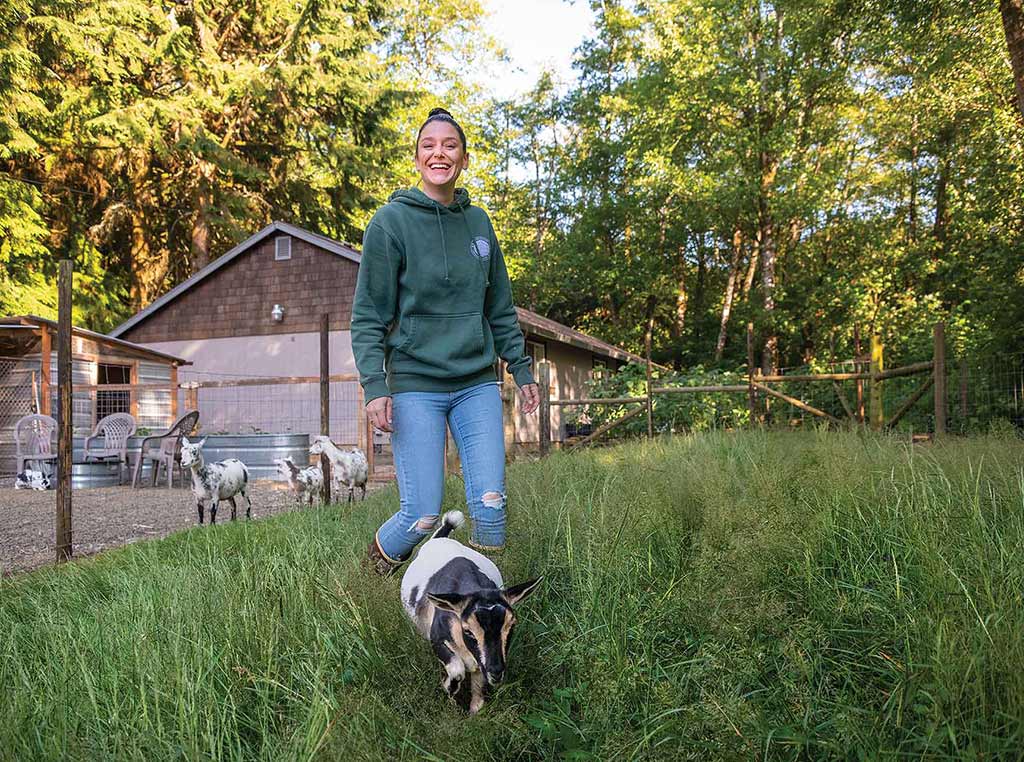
x=417 y=199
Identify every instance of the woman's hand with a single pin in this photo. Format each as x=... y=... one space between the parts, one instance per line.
x=529 y=398
x=379 y=412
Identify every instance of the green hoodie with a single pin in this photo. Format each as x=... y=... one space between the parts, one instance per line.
x=433 y=300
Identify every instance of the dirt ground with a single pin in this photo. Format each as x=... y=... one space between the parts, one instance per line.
x=109 y=517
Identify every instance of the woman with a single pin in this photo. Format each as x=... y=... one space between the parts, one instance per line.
x=433 y=304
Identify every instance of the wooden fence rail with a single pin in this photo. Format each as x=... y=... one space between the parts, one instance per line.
x=760 y=383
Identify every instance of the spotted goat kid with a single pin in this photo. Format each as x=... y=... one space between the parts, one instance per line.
x=456 y=599
x=215 y=482
x=307 y=483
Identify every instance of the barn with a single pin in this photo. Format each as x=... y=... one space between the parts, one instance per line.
x=255 y=313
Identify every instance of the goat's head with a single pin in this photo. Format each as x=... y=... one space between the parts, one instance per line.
x=191 y=453
x=286 y=468
x=487 y=620
x=318 y=444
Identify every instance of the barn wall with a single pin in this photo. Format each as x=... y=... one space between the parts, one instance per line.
x=277 y=408
x=570 y=370
x=237 y=299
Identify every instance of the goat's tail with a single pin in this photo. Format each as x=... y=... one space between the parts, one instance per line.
x=451 y=521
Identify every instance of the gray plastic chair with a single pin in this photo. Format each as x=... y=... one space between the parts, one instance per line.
x=164 y=449
x=34 y=437
x=109 y=441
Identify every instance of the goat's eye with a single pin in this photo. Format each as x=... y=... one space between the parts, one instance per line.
x=468 y=636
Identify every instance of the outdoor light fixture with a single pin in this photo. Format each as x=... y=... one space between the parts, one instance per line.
x=277 y=313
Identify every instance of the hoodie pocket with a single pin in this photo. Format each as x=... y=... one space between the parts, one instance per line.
x=445 y=345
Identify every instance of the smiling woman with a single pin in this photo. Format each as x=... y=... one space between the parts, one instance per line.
x=433 y=310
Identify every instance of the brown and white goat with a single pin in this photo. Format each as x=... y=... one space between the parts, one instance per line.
x=457 y=600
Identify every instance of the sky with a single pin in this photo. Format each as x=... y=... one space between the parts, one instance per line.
x=536 y=33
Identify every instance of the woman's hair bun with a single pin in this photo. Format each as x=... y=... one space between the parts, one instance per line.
x=439 y=112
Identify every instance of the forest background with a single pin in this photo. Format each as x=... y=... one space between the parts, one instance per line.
x=820 y=168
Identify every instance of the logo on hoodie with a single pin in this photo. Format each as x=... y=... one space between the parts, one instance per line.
x=480 y=247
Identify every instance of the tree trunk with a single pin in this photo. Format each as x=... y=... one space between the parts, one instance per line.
x=942 y=203
x=681 y=295
x=201 y=222
x=730 y=290
x=766 y=237
x=1013 y=26
x=755 y=257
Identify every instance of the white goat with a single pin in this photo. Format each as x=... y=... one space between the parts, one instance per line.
x=456 y=599
x=307 y=483
x=348 y=467
x=215 y=482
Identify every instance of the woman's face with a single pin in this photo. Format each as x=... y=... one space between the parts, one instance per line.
x=440 y=157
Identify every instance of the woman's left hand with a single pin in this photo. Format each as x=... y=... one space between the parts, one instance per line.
x=529 y=398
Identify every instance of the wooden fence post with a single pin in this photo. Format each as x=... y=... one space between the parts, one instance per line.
x=174 y=394
x=45 y=370
x=325 y=399
x=544 y=382
x=858 y=368
x=875 y=401
x=752 y=391
x=939 y=369
x=64 y=391
x=963 y=392
x=508 y=412
x=650 y=401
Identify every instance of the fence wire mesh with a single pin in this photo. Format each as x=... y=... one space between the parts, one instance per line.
x=983 y=394
x=17 y=399
x=271 y=408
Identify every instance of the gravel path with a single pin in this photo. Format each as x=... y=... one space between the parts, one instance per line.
x=108 y=517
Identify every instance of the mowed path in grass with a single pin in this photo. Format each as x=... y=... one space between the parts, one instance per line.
x=722 y=596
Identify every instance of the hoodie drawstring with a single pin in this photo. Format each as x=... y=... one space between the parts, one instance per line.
x=444 y=245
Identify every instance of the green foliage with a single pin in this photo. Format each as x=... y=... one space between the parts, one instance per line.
x=673 y=413
x=873 y=155
x=723 y=596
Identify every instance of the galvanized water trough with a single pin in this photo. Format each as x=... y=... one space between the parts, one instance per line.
x=257 y=451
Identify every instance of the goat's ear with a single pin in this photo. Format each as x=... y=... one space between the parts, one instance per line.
x=184 y=441
x=452 y=602
x=516 y=593
x=202 y=441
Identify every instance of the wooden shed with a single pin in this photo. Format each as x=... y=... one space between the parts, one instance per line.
x=108 y=376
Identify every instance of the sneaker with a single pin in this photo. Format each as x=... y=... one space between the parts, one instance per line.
x=378 y=561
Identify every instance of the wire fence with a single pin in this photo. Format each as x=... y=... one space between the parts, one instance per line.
x=255 y=406
x=17 y=399
x=983 y=394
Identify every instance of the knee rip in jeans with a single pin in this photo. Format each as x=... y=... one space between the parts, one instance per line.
x=493 y=500
x=423 y=524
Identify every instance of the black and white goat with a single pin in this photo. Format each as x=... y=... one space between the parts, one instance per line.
x=215 y=482
x=348 y=467
x=307 y=483
x=456 y=599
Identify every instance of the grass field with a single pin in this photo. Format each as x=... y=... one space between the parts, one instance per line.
x=727 y=596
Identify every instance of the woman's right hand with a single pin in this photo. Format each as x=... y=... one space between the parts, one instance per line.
x=379 y=412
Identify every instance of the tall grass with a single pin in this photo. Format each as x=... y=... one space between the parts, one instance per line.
x=728 y=596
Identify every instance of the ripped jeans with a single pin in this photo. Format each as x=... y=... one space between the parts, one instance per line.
x=419 y=419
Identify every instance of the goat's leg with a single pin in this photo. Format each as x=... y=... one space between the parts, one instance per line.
x=476 y=687
x=199 y=505
x=213 y=511
x=363 y=488
x=233 y=508
x=248 y=505
x=454 y=668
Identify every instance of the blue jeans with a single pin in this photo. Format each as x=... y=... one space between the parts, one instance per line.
x=418 y=419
